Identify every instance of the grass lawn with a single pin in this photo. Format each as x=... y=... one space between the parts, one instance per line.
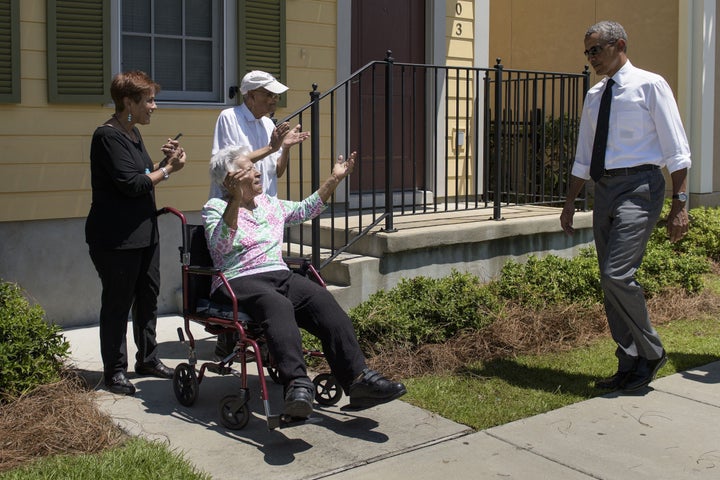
x=136 y=459
x=493 y=393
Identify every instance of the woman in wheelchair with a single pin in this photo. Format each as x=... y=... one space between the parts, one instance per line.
x=244 y=231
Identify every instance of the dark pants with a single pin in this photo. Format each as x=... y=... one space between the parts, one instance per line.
x=282 y=301
x=130 y=279
x=625 y=212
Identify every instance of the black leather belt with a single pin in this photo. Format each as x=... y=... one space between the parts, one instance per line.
x=617 y=172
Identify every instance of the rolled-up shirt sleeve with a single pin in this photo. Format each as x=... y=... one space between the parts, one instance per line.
x=671 y=133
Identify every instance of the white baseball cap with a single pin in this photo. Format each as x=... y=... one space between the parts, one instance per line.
x=259 y=79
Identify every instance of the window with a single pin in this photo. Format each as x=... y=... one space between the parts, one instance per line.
x=9 y=51
x=179 y=43
x=195 y=49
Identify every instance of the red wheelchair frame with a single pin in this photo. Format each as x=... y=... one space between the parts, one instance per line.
x=197 y=274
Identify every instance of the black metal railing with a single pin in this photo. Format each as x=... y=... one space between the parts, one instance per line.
x=433 y=138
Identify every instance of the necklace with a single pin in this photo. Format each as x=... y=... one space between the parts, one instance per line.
x=128 y=133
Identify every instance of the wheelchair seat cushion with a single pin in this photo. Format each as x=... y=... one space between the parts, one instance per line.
x=221 y=310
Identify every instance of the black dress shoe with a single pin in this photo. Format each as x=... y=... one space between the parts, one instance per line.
x=120 y=384
x=299 y=397
x=644 y=373
x=372 y=389
x=157 y=369
x=613 y=383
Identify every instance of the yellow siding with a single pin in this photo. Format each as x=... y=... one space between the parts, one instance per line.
x=548 y=34
x=311 y=59
x=459 y=39
x=45 y=149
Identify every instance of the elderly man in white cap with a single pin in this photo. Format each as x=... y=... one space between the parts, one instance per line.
x=248 y=125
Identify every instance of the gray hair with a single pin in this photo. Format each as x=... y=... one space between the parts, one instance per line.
x=608 y=31
x=223 y=162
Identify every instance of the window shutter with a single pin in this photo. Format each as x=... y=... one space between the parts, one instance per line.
x=261 y=38
x=10 y=51
x=78 y=51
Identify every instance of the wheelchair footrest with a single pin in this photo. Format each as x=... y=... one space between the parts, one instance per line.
x=219 y=369
x=284 y=421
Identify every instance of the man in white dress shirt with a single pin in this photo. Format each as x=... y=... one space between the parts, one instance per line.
x=643 y=134
x=248 y=125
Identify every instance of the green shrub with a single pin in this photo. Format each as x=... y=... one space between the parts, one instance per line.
x=552 y=280
x=31 y=350
x=703 y=237
x=664 y=267
x=424 y=310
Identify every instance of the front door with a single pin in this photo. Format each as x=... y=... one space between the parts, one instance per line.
x=379 y=26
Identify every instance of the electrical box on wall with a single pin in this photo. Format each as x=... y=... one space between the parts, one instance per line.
x=459 y=140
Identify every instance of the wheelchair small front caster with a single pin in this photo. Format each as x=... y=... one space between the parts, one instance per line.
x=185 y=384
x=234 y=412
x=327 y=390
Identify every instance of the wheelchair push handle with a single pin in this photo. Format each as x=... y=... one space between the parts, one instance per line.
x=183 y=221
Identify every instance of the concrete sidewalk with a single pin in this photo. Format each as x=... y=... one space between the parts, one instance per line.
x=670 y=431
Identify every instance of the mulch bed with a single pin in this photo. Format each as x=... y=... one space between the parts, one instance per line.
x=59 y=418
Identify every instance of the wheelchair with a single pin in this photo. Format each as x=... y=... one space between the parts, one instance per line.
x=198 y=273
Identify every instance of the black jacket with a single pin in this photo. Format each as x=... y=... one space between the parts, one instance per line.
x=123 y=211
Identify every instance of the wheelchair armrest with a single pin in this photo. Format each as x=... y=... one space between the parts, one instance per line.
x=296 y=261
x=303 y=266
x=203 y=270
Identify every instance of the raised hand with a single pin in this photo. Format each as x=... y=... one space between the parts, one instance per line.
x=294 y=137
x=342 y=167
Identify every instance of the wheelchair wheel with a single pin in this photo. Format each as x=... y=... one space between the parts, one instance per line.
x=327 y=390
x=185 y=384
x=234 y=412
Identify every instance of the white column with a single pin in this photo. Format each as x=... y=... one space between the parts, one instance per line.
x=481 y=54
x=696 y=86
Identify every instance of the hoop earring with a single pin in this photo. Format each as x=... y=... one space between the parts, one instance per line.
x=129 y=117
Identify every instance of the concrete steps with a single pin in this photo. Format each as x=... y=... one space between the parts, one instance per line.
x=435 y=244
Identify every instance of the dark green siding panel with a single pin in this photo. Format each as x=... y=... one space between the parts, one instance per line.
x=78 y=51
x=261 y=38
x=9 y=51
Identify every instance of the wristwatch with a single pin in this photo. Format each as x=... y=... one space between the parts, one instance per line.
x=165 y=173
x=682 y=196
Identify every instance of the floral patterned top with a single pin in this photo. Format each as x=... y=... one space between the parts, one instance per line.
x=256 y=245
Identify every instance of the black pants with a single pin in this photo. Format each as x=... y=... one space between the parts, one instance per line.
x=282 y=301
x=130 y=279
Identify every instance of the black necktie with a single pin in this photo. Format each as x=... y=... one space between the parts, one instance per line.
x=597 y=163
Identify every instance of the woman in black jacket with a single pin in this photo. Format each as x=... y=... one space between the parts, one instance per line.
x=122 y=230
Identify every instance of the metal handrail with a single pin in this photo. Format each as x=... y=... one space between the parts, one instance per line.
x=480 y=138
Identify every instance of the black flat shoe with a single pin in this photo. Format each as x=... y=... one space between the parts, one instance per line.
x=158 y=369
x=299 y=397
x=120 y=384
x=644 y=373
x=372 y=389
